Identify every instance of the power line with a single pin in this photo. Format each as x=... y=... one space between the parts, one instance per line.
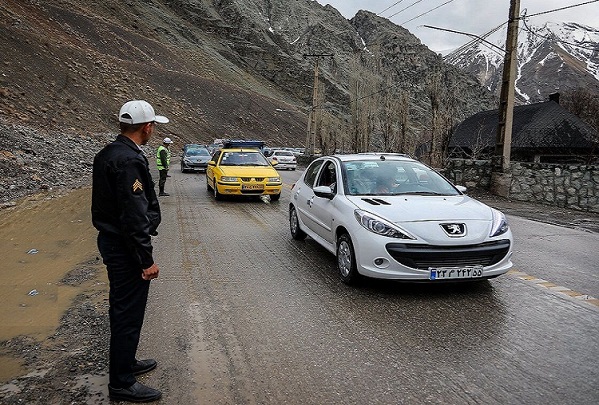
x=474 y=43
x=405 y=8
x=470 y=35
x=432 y=9
x=527 y=28
x=392 y=5
x=561 y=8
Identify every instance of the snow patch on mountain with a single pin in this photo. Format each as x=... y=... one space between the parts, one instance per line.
x=551 y=57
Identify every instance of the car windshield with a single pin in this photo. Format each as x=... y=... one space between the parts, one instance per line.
x=197 y=152
x=243 y=159
x=394 y=177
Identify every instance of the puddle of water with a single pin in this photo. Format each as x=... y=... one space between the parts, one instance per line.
x=41 y=240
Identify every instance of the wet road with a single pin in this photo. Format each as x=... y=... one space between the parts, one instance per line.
x=243 y=314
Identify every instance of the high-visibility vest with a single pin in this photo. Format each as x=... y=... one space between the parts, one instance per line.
x=159 y=161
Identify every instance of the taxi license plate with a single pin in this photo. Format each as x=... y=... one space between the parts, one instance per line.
x=453 y=273
x=252 y=187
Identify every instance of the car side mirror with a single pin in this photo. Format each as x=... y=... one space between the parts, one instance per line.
x=212 y=163
x=462 y=189
x=324 y=192
x=274 y=162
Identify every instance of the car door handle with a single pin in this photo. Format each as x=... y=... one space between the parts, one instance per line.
x=310 y=201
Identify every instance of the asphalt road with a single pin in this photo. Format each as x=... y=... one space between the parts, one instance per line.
x=243 y=314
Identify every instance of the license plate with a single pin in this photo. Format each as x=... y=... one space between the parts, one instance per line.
x=452 y=273
x=252 y=187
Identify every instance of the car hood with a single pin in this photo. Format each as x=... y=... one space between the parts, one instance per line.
x=424 y=216
x=249 y=171
x=414 y=208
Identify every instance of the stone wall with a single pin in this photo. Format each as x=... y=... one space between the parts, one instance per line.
x=561 y=185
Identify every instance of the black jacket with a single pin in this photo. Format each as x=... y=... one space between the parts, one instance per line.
x=124 y=203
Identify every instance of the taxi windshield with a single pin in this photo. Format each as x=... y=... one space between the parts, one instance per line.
x=243 y=159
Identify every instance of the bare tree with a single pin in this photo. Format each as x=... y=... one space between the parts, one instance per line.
x=433 y=91
x=404 y=119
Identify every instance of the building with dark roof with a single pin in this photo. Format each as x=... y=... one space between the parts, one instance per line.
x=541 y=132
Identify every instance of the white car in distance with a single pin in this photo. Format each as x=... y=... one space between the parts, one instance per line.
x=285 y=159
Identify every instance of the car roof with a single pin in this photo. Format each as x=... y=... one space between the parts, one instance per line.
x=253 y=150
x=372 y=156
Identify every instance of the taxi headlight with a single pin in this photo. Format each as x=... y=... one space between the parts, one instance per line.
x=228 y=179
x=274 y=179
x=380 y=226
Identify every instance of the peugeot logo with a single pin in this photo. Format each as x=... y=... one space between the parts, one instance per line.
x=454 y=230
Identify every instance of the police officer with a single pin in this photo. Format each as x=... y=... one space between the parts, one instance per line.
x=163 y=161
x=126 y=213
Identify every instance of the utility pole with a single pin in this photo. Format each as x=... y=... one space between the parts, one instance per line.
x=501 y=175
x=311 y=132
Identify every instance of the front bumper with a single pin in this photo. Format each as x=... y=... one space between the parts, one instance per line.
x=194 y=166
x=379 y=258
x=248 y=189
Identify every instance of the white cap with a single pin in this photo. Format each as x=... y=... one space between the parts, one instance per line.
x=139 y=112
x=167 y=140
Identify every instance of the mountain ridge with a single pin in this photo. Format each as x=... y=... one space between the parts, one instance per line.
x=553 y=57
x=226 y=69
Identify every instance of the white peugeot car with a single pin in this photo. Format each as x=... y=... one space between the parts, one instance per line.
x=285 y=159
x=390 y=216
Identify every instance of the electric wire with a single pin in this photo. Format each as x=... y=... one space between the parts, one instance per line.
x=562 y=8
x=405 y=8
x=527 y=28
x=431 y=10
x=392 y=5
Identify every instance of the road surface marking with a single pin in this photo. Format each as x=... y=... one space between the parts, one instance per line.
x=555 y=288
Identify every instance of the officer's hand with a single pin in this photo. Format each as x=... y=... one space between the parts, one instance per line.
x=150 y=273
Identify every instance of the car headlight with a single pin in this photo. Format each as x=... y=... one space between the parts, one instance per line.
x=228 y=179
x=187 y=161
x=274 y=179
x=380 y=226
x=500 y=225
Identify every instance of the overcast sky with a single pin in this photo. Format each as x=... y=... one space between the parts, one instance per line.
x=472 y=16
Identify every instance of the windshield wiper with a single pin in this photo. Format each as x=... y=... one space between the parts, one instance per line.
x=425 y=193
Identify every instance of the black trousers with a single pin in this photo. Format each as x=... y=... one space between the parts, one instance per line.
x=127 y=298
x=162 y=180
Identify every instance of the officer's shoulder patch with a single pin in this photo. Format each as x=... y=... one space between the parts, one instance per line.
x=137 y=187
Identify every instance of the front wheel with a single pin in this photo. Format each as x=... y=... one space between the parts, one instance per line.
x=346 y=260
x=217 y=195
x=296 y=232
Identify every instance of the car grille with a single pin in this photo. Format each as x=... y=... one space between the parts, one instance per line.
x=258 y=179
x=424 y=256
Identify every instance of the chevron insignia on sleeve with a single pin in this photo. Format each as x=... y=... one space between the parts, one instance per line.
x=137 y=186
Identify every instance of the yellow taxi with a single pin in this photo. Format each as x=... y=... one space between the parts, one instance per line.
x=242 y=171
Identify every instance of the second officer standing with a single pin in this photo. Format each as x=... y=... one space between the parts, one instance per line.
x=163 y=162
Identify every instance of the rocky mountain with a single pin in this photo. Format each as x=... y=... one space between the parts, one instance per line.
x=554 y=57
x=227 y=68
x=216 y=68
